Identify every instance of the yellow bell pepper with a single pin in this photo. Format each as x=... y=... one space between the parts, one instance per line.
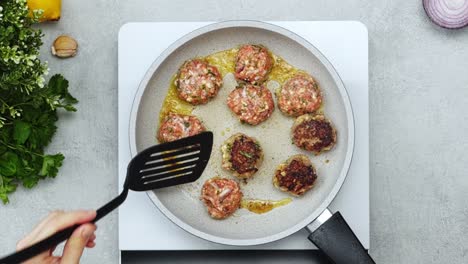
x=51 y=9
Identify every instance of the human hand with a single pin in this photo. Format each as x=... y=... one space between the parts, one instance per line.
x=56 y=221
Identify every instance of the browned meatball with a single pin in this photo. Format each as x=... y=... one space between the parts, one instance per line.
x=313 y=133
x=296 y=176
x=242 y=155
x=221 y=196
x=253 y=63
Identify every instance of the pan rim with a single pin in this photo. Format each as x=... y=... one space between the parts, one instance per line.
x=346 y=103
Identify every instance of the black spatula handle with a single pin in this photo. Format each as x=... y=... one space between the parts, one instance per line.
x=110 y=206
x=336 y=239
x=61 y=236
x=39 y=247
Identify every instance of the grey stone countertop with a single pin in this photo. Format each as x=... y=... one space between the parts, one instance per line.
x=418 y=125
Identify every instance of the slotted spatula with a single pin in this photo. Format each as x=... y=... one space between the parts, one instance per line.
x=159 y=166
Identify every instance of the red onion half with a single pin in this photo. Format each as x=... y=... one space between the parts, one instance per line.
x=450 y=14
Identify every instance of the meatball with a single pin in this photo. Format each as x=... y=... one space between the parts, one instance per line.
x=252 y=104
x=296 y=176
x=313 y=133
x=197 y=82
x=299 y=95
x=176 y=126
x=253 y=63
x=221 y=196
x=242 y=155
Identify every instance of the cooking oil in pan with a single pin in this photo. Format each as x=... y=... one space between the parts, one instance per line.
x=173 y=104
x=263 y=206
x=225 y=62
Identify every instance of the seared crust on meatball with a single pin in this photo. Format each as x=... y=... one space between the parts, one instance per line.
x=253 y=63
x=242 y=155
x=221 y=196
x=197 y=81
x=299 y=95
x=296 y=176
x=313 y=133
x=177 y=126
x=252 y=104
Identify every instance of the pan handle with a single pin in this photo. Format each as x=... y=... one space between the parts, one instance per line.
x=333 y=236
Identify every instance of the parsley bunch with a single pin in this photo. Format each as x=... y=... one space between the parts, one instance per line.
x=28 y=106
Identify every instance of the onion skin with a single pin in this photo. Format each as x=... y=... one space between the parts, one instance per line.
x=450 y=14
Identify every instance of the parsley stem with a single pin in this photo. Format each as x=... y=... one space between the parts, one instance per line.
x=21 y=149
x=5 y=103
x=21 y=104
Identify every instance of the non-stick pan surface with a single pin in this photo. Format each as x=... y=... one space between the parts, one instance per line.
x=181 y=204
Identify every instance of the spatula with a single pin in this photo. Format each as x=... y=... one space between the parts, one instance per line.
x=159 y=166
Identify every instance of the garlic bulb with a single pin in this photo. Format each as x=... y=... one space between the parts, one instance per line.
x=64 y=47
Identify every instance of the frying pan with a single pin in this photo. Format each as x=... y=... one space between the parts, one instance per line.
x=182 y=205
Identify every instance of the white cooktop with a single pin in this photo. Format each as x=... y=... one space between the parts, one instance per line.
x=344 y=43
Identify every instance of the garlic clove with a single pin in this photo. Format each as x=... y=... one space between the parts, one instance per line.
x=64 y=47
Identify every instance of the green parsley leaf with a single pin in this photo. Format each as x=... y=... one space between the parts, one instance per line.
x=50 y=165
x=28 y=103
x=21 y=131
x=8 y=164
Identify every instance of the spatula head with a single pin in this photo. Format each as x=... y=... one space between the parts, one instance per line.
x=170 y=164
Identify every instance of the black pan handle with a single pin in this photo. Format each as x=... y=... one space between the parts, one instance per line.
x=61 y=236
x=336 y=239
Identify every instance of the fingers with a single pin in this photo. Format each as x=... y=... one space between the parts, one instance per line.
x=76 y=243
x=51 y=260
x=63 y=220
x=53 y=223
x=26 y=241
x=91 y=242
x=82 y=237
